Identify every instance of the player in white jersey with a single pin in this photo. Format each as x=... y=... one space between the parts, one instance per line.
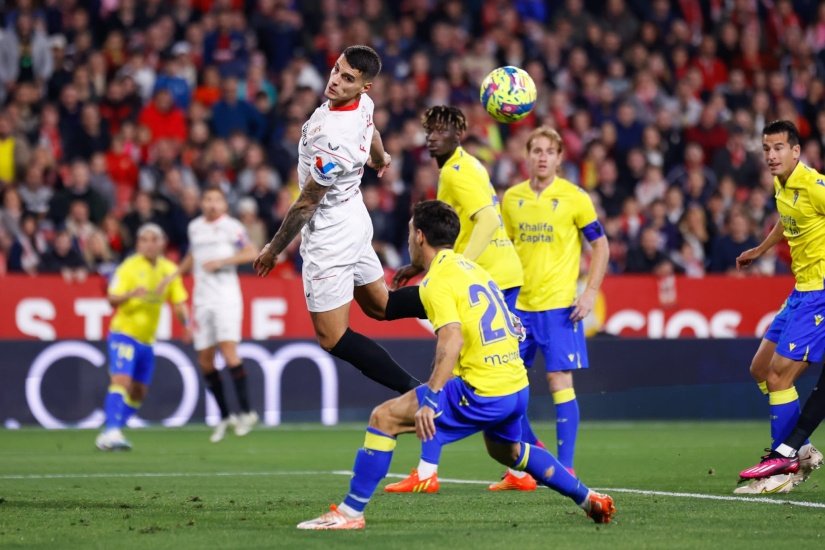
x=340 y=264
x=217 y=244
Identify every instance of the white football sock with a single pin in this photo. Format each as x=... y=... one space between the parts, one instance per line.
x=349 y=511
x=426 y=469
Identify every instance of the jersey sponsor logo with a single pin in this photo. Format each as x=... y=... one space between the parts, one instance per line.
x=818 y=319
x=323 y=168
x=456 y=167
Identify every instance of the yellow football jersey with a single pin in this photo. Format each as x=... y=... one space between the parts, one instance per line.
x=801 y=206
x=546 y=231
x=139 y=317
x=464 y=184
x=457 y=290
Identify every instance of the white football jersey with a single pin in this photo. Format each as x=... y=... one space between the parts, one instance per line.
x=215 y=240
x=334 y=148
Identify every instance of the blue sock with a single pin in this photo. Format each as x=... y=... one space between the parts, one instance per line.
x=567 y=424
x=527 y=433
x=431 y=451
x=114 y=407
x=372 y=462
x=548 y=471
x=784 y=414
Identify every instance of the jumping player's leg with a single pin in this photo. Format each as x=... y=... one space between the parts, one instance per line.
x=335 y=336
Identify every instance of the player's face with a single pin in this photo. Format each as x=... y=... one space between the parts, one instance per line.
x=150 y=245
x=442 y=140
x=213 y=205
x=544 y=158
x=780 y=156
x=414 y=245
x=345 y=83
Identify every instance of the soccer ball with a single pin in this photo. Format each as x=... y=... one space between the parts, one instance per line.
x=508 y=93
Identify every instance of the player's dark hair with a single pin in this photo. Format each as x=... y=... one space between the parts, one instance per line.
x=365 y=59
x=444 y=115
x=783 y=127
x=214 y=189
x=438 y=221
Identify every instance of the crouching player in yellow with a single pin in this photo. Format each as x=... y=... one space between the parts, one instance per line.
x=477 y=343
x=138 y=289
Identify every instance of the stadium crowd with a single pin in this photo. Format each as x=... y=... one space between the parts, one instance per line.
x=119 y=112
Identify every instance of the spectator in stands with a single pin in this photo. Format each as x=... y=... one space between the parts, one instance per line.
x=25 y=55
x=92 y=136
x=163 y=118
x=736 y=161
x=28 y=247
x=727 y=247
x=98 y=256
x=11 y=211
x=77 y=187
x=646 y=256
x=255 y=227
x=225 y=47
x=63 y=258
x=143 y=211
x=232 y=114
x=34 y=193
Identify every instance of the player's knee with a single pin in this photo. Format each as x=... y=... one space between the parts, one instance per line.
x=379 y=418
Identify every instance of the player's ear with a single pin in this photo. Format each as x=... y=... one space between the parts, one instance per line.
x=796 y=150
x=366 y=87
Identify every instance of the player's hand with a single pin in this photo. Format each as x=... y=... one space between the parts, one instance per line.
x=213 y=265
x=583 y=305
x=403 y=276
x=265 y=261
x=746 y=258
x=425 y=423
x=380 y=165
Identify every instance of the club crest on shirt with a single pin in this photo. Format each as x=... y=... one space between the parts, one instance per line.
x=555 y=204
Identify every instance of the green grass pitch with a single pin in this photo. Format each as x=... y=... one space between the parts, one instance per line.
x=177 y=490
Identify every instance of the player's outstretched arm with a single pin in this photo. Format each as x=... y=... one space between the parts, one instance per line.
x=447 y=349
x=746 y=258
x=598 y=267
x=296 y=218
x=379 y=158
x=244 y=255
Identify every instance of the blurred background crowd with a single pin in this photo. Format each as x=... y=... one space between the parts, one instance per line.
x=119 y=112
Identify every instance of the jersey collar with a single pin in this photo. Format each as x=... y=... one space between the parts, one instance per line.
x=351 y=107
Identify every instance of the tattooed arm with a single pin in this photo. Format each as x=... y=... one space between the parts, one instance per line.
x=297 y=217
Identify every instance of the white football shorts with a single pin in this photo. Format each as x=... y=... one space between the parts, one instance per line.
x=338 y=257
x=217 y=323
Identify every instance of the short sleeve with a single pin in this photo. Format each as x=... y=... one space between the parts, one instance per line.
x=439 y=302
x=121 y=281
x=330 y=160
x=240 y=238
x=585 y=211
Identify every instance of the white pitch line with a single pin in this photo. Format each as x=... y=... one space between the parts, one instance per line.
x=644 y=492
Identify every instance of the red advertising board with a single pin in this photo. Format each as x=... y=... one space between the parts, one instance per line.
x=47 y=308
